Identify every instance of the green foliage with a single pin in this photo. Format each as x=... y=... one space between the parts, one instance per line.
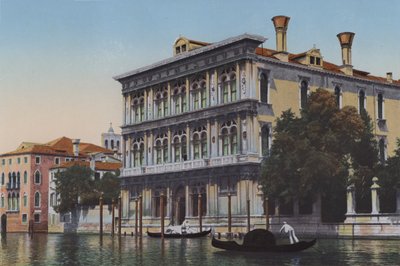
x=76 y=186
x=309 y=155
x=365 y=161
x=389 y=180
x=71 y=184
x=109 y=184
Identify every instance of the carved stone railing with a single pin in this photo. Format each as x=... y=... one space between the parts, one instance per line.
x=188 y=165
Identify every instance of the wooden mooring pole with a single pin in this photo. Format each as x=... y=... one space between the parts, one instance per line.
x=162 y=214
x=101 y=215
x=229 y=214
x=136 y=217
x=113 y=217
x=200 y=210
x=119 y=215
x=141 y=216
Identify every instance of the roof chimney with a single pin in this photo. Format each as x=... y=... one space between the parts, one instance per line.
x=75 y=146
x=346 y=40
x=389 y=77
x=281 y=24
x=92 y=163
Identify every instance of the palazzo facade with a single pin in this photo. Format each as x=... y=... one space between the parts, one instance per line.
x=200 y=122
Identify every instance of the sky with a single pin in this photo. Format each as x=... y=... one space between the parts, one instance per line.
x=58 y=57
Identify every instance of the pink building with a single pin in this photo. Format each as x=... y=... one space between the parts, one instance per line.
x=24 y=180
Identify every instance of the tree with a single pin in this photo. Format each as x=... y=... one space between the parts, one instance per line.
x=365 y=162
x=389 y=180
x=309 y=155
x=72 y=184
x=109 y=185
x=76 y=186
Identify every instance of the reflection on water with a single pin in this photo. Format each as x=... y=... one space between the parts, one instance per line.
x=19 y=249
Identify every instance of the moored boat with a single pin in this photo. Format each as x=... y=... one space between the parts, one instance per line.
x=260 y=240
x=179 y=235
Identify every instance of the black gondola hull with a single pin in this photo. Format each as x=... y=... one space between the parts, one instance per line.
x=188 y=235
x=232 y=245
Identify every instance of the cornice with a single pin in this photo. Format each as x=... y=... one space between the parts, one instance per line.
x=249 y=37
x=213 y=112
x=324 y=72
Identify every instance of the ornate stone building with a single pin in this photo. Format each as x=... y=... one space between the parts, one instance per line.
x=200 y=122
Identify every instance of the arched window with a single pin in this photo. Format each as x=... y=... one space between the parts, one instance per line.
x=196 y=147
x=106 y=144
x=138 y=152
x=200 y=143
x=2 y=201
x=25 y=177
x=361 y=100
x=265 y=141
x=233 y=140
x=382 y=150
x=179 y=97
x=338 y=97
x=2 y=179
x=9 y=202
x=112 y=144
x=228 y=85
x=180 y=146
x=38 y=177
x=225 y=141
x=14 y=180
x=232 y=85
x=303 y=94
x=264 y=88
x=380 y=106
x=17 y=202
x=138 y=106
x=229 y=139
x=18 y=179
x=198 y=92
x=118 y=147
x=203 y=94
x=13 y=202
x=25 y=200
x=161 y=149
x=195 y=96
x=37 y=199
x=225 y=89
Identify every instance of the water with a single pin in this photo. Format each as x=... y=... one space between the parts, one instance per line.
x=19 y=249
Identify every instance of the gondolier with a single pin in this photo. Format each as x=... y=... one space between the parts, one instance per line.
x=289 y=230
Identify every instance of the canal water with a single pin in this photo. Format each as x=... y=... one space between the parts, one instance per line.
x=53 y=249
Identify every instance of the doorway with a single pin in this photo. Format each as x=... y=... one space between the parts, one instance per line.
x=179 y=206
x=3 y=223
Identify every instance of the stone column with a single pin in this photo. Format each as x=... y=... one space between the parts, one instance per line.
x=146 y=150
x=374 y=196
x=188 y=148
x=238 y=90
x=169 y=145
x=188 y=103
x=351 y=200
x=145 y=105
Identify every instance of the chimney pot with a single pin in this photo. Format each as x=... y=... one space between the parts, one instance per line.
x=346 y=41
x=75 y=146
x=389 y=77
x=281 y=24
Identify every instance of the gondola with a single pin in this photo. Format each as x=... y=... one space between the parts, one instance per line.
x=179 y=235
x=260 y=240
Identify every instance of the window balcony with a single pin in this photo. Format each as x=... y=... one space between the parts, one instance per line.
x=11 y=186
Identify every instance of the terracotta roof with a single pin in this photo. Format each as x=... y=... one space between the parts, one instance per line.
x=326 y=66
x=61 y=146
x=100 y=166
